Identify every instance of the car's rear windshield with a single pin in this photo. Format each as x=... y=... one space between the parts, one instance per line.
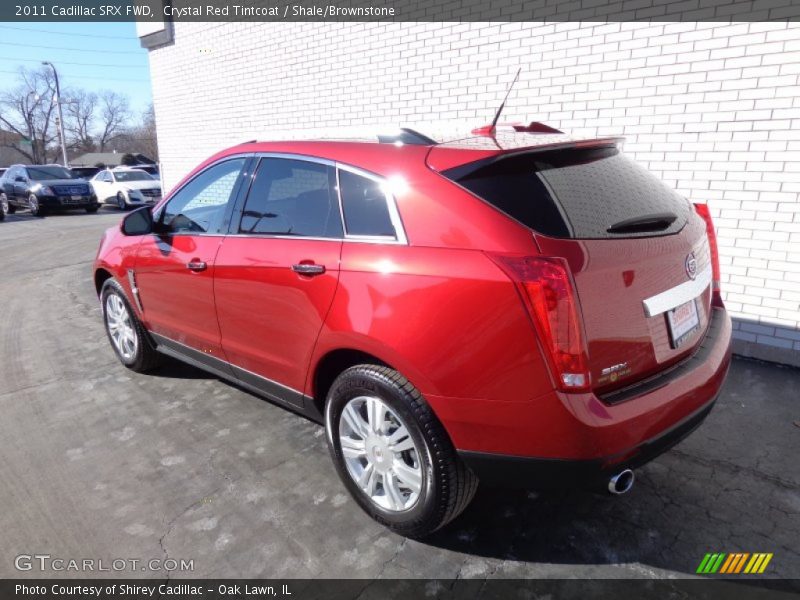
x=585 y=193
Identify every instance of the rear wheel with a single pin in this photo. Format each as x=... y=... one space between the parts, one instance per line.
x=392 y=453
x=3 y=206
x=126 y=333
x=34 y=206
x=92 y=209
x=11 y=208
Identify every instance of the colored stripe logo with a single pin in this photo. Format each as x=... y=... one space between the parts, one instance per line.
x=734 y=563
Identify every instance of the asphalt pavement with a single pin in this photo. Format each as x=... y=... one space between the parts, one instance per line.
x=99 y=463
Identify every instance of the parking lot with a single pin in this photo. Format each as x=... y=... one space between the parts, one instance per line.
x=101 y=463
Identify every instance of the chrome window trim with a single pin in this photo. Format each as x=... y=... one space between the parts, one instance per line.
x=399 y=238
x=391 y=204
x=680 y=294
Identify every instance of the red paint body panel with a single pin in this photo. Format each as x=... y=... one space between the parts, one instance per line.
x=269 y=315
x=179 y=303
x=439 y=313
x=580 y=426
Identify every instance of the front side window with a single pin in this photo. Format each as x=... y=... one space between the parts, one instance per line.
x=366 y=212
x=199 y=207
x=292 y=197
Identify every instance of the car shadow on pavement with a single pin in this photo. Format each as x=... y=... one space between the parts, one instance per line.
x=680 y=508
x=173 y=368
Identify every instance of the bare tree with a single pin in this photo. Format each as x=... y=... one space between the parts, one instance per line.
x=79 y=119
x=27 y=114
x=145 y=133
x=115 y=113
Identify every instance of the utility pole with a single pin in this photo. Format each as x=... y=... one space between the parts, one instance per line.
x=60 y=114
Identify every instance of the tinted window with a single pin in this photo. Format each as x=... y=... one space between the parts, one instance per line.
x=364 y=206
x=292 y=197
x=199 y=206
x=579 y=193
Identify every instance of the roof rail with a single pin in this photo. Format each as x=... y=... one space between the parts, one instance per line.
x=406 y=136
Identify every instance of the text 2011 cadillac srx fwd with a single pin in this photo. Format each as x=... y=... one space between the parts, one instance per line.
x=520 y=308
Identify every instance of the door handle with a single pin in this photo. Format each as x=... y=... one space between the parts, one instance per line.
x=196 y=265
x=308 y=269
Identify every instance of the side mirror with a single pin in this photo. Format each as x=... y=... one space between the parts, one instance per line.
x=139 y=222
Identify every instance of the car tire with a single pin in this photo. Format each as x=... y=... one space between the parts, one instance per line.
x=34 y=206
x=428 y=485
x=92 y=209
x=121 y=201
x=130 y=340
x=11 y=208
x=4 y=210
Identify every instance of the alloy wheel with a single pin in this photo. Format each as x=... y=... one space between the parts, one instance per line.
x=380 y=453
x=121 y=201
x=120 y=327
x=33 y=204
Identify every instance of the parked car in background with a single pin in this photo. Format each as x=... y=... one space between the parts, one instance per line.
x=126 y=187
x=529 y=309
x=85 y=172
x=43 y=188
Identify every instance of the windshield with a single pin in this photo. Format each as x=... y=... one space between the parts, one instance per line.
x=132 y=176
x=54 y=172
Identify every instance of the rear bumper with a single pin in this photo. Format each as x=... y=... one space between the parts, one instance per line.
x=561 y=439
x=547 y=474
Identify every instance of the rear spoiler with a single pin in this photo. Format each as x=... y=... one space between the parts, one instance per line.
x=477 y=152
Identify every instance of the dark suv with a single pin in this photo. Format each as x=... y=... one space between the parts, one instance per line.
x=41 y=188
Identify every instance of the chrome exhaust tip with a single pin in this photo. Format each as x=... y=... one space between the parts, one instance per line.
x=621 y=483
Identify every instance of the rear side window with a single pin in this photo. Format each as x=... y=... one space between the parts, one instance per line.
x=595 y=193
x=364 y=206
x=292 y=197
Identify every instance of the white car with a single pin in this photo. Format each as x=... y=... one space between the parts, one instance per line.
x=126 y=188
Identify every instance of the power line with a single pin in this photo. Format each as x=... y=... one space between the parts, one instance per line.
x=73 y=49
x=91 y=78
x=50 y=31
x=81 y=64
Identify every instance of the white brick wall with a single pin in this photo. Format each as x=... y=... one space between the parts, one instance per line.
x=711 y=108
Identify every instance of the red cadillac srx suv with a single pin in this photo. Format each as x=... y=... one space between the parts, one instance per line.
x=525 y=308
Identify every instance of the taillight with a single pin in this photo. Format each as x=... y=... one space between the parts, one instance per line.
x=548 y=293
x=702 y=210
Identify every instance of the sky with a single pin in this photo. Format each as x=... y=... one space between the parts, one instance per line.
x=93 y=56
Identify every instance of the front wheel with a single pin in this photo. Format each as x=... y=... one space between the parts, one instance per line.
x=34 y=206
x=121 y=201
x=126 y=333
x=392 y=454
x=92 y=209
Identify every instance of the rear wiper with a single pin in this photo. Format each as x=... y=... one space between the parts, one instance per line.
x=654 y=222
